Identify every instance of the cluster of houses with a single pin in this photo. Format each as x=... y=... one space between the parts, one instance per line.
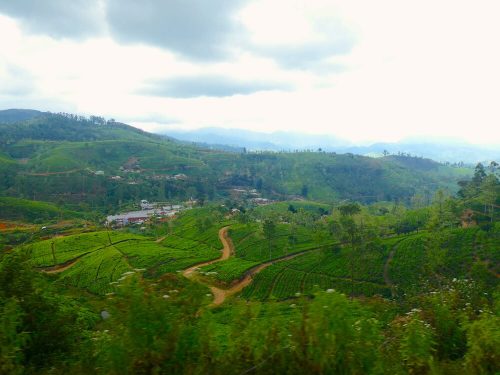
x=175 y=177
x=261 y=201
x=147 y=211
x=240 y=193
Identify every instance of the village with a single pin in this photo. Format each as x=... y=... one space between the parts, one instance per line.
x=147 y=212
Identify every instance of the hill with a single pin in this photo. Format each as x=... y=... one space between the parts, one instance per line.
x=8 y=116
x=32 y=211
x=73 y=159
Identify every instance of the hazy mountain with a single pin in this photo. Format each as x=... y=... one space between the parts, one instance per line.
x=442 y=150
x=251 y=140
x=9 y=116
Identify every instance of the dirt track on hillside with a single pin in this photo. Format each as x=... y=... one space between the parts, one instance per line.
x=227 y=250
x=63 y=266
x=220 y=294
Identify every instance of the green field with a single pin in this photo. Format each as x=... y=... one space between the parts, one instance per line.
x=100 y=258
x=417 y=259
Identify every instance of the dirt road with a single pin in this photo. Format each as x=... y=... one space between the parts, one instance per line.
x=227 y=251
x=220 y=294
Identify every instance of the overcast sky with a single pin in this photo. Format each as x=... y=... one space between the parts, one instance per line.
x=360 y=70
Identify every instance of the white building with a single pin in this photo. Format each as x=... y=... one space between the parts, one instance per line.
x=145 y=205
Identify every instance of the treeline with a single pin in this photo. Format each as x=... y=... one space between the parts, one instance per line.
x=64 y=127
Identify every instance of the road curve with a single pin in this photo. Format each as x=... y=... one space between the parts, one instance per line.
x=220 y=294
x=227 y=250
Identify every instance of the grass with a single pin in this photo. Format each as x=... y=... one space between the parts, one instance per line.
x=32 y=211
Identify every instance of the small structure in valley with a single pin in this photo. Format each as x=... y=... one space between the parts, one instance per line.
x=148 y=211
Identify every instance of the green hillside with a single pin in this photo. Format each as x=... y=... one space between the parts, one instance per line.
x=33 y=211
x=54 y=157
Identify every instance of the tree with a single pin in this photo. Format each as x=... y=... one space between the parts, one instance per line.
x=443 y=210
x=489 y=193
x=350 y=233
x=304 y=191
x=350 y=209
x=479 y=174
x=269 y=230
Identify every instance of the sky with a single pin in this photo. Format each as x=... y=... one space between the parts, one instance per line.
x=364 y=71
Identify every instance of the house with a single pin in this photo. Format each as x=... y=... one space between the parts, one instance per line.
x=133 y=217
x=145 y=205
x=260 y=201
x=180 y=176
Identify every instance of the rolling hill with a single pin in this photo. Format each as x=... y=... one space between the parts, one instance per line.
x=66 y=158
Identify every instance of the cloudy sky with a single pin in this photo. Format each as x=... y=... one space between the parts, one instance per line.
x=360 y=70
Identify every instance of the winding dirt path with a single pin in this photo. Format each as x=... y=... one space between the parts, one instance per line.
x=160 y=239
x=220 y=294
x=227 y=250
x=52 y=173
x=62 y=266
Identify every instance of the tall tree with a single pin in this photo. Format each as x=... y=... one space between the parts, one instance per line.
x=269 y=231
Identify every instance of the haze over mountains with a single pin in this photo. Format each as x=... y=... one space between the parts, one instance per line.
x=443 y=150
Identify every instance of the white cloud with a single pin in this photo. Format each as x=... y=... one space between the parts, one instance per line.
x=412 y=68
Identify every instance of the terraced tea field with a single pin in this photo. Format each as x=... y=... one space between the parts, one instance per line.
x=94 y=260
x=413 y=257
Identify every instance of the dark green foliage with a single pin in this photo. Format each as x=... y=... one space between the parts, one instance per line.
x=40 y=328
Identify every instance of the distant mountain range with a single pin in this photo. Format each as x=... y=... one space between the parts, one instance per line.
x=441 y=150
x=237 y=140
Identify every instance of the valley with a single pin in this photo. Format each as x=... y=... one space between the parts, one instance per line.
x=267 y=257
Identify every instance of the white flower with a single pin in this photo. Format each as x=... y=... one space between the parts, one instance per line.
x=166 y=296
